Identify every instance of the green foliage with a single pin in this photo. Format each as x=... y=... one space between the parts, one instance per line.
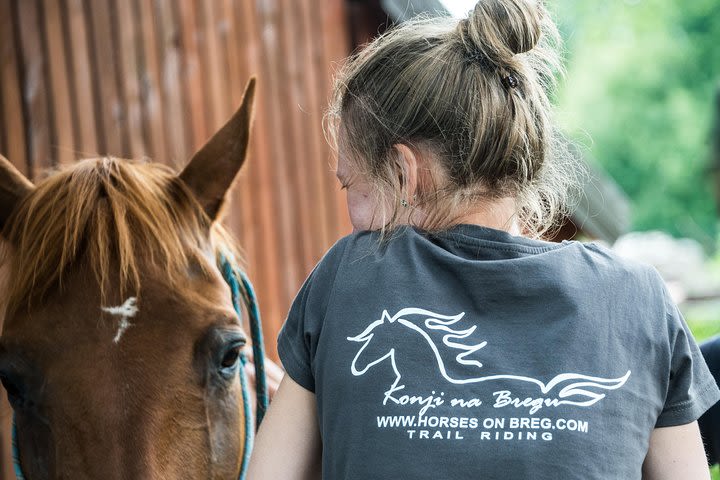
x=641 y=78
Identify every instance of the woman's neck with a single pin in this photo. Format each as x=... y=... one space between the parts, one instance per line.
x=500 y=214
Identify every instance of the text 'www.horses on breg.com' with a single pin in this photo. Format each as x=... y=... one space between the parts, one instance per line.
x=455 y=428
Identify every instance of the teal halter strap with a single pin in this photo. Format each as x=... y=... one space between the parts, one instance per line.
x=242 y=290
x=242 y=293
x=15 y=453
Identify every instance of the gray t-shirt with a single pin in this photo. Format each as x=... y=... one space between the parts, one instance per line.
x=478 y=354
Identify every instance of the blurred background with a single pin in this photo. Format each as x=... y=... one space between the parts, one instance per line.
x=155 y=78
x=642 y=95
x=641 y=102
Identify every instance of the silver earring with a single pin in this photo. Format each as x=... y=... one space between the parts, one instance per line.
x=404 y=203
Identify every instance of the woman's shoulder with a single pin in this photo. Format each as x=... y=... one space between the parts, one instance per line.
x=347 y=249
x=605 y=255
x=607 y=264
x=597 y=259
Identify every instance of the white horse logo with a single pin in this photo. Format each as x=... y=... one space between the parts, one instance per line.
x=574 y=388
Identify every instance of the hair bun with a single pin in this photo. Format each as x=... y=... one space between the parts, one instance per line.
x=503 y=28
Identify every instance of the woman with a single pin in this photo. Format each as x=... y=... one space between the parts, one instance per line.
x=443 y=339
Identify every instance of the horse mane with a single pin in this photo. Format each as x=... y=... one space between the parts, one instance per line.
x=457 y=340
x=112 y=214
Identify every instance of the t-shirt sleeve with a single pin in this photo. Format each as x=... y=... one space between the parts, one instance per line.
x=297 y=340
x=691 y=387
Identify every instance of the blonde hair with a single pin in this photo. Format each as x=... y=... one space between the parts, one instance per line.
x=473 y=94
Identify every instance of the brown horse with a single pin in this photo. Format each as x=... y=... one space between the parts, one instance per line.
x=120 y=345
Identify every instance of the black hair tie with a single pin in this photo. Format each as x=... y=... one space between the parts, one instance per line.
x=478 y=57
x=510 y=81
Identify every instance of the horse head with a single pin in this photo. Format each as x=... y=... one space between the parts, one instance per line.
x=120 y=345
x=378 y=341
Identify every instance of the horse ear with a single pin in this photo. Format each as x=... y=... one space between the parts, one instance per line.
x=213 y=168
x=13 y=188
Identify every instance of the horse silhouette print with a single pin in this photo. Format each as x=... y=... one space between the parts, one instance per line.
x=382 y=336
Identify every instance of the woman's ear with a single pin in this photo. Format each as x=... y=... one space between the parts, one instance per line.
x=408 y=164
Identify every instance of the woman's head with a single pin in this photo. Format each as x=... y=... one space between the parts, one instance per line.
x=445 y=116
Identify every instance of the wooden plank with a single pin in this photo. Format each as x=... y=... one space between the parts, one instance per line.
x=201 y=35
x=39 y=124
x=84 y=91
x=333 y=28
x=245 y=223
x=240 y=216
x=12 y=115
x=111 y=106
x=64 y=145
x=220 y=53
x=319 y=169
x=129 y=72
x=167 y=28
x=275 y=73
x=296 y=125
x=184 y=113
x=232 y=60
x=307 y=171
x=283 y=121
x=266 y=200
x=150 y=83
x=214 y=67
x=193 y=77
x=51 y=121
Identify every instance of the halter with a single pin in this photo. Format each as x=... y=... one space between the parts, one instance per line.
x=242 y=293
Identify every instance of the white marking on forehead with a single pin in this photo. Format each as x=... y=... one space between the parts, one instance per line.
x=127 y=310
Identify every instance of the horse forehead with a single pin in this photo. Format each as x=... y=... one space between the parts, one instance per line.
x=154 y=354
x=164 y=315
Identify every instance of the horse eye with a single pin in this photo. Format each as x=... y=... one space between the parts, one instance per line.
x=231 y=358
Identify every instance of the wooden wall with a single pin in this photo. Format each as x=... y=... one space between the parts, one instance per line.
x=134 y=78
